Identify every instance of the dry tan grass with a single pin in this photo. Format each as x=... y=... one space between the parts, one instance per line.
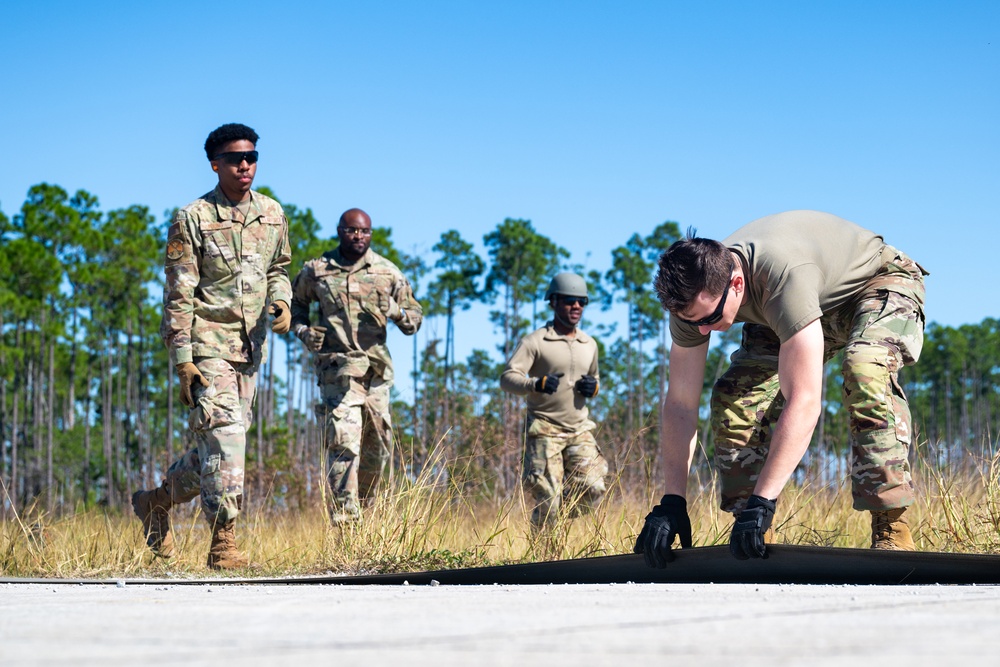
x=421 y=525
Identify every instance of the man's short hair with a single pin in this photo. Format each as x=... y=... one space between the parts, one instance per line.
x=223 y=134
x=690 y=266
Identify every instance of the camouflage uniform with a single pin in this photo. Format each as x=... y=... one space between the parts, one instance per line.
x=880 y=330
x=562 y=461
x=353 y=368
x=220 y=277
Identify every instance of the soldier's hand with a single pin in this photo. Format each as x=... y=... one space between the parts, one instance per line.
x=547 y=384
x=664 y=523
x=190 y=377
x=747 y=539
x=391 y=309
x=587 y=386
x=312 y=337
x=282 y=317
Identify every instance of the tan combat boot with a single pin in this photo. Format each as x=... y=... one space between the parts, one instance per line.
x=890 y=532
x=345 y=510
x=152 y=508
x=223 y=554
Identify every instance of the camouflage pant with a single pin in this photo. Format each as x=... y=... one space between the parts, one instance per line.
x=562 y=467
x=219 y=422
x=354 y=414
x=880 y=331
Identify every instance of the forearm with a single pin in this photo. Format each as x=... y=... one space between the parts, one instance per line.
x=279 y=287
x=410 y=319
x=679 y=415
x=789 y=443
x=516 y=382
x=411 y=314
x=515 y=378
x=300 y=313
x=678 y=432
x=800 y=372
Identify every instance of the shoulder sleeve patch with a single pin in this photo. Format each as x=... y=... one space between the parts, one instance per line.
x=175 y=249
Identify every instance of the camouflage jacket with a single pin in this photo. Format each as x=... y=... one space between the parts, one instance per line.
x=355 y=302
x=214 y=299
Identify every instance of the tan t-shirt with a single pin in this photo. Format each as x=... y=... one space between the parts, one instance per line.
x=799 y=266
x=543 y=352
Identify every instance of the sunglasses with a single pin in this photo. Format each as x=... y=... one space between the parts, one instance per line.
x=716 y=315
x=237 y=158
x=573 y=300
x=355 y=231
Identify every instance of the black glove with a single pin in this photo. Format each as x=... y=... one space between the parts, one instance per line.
x=747 y=540
x=587 y=386
x=547 y=384
x=664 y=522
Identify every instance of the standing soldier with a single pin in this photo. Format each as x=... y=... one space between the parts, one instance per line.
x=226 y=265
x=555 y=367
x=358 y=292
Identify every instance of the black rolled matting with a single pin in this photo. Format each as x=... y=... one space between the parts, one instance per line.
x=787 y=564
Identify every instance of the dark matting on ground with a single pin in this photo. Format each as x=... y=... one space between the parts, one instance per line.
x=787 y=564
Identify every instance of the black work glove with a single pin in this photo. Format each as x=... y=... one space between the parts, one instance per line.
x=664 y=522
x=547 y=384
x=747 y=540
x=587 y=386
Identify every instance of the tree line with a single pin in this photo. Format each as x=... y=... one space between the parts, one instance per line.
x=88 y=409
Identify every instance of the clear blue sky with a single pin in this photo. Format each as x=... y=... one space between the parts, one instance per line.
x=593 y=120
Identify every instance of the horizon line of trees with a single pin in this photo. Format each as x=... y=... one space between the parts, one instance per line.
x=87 y=398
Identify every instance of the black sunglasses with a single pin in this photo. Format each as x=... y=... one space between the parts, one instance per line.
x=717 y=314
x=572 y=300
x=237 y=158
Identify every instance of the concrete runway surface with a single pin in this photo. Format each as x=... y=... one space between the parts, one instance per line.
x=737 y=625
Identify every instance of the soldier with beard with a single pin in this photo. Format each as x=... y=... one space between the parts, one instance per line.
x=359 y=292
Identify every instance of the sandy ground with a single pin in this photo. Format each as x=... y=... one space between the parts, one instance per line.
x=624 y=624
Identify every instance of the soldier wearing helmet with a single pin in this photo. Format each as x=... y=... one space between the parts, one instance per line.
x=555 y=369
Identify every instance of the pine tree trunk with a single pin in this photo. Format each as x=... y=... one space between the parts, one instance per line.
x=641 y=370
x=15 y=480
x=414 y=411
x=4 y=481
x=144 y=413
x=50 y=429
x=86 y=438
x=123 y=460
x=630 y=403
x=37 y=409
x=106 y=423
x=70 y=416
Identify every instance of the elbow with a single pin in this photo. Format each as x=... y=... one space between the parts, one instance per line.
x=808 y=405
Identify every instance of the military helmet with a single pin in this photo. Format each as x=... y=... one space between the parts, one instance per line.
x=568 y=284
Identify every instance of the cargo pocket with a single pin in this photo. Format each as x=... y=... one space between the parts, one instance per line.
x=536 y=465
x=200 y=416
